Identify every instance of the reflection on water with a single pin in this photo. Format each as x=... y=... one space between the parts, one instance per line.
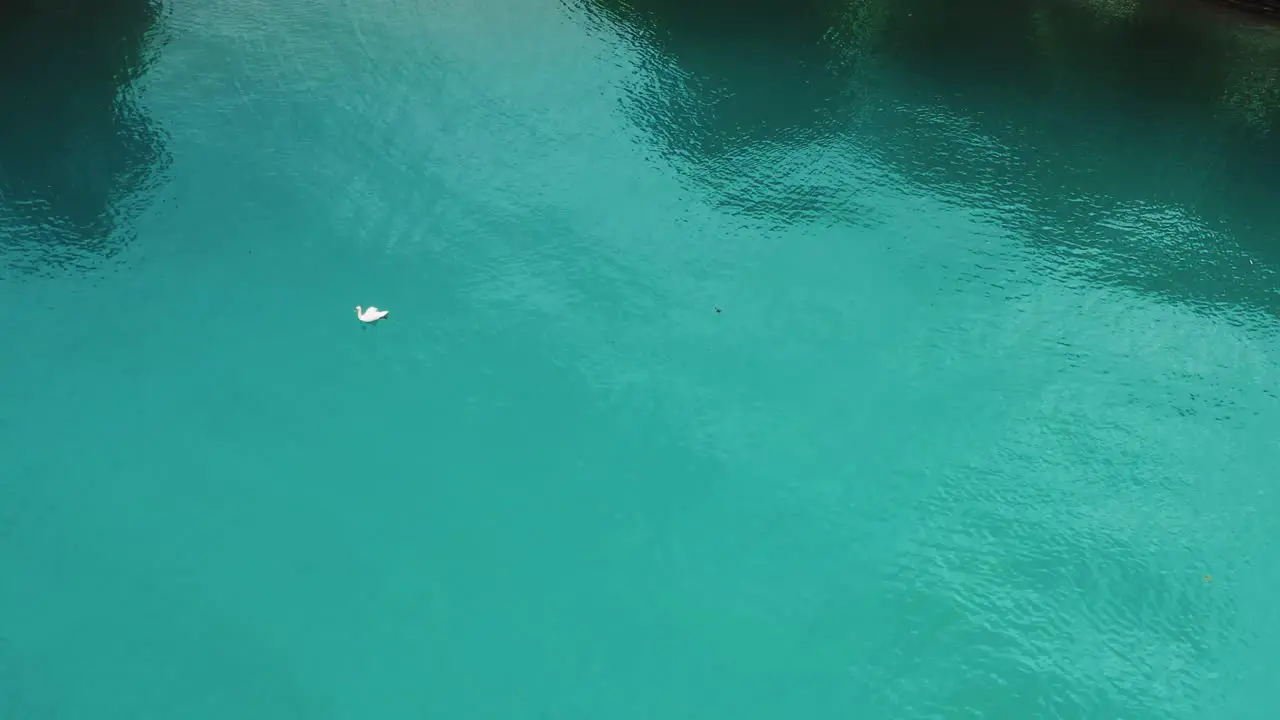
x=721 y=89
x=77 y=156
x=1131 y=142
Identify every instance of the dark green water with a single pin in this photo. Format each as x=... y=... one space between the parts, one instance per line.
x=848 y=360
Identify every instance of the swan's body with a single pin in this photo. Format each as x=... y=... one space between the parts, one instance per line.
x=370 y=314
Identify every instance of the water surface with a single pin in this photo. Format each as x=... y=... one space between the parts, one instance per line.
x=990 y=390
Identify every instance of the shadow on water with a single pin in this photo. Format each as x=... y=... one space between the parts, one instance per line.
x=77 y=156
x=1131 y=141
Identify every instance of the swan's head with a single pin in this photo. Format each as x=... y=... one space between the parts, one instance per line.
x=357 y=309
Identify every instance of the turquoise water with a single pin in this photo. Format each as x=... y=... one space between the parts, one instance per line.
x=989 y=391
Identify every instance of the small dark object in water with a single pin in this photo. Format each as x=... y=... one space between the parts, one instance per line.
x=717 y=309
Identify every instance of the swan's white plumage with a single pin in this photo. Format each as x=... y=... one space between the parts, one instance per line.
x=370 y=314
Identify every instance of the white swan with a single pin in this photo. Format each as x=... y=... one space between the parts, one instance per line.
x=370 y=315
